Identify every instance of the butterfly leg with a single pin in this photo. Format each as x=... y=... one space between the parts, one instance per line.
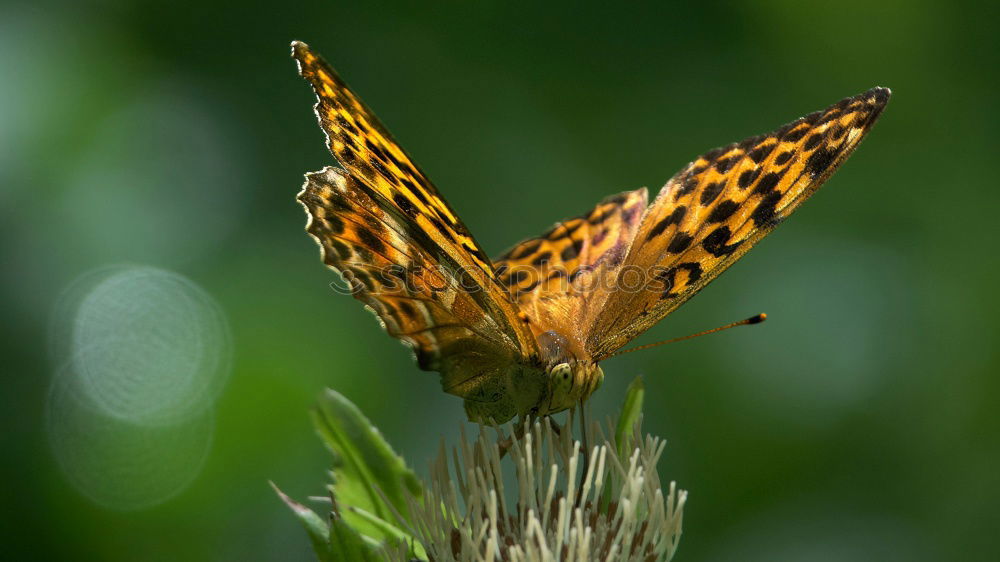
x=556 y=428
x=519 y=428
x=585 y=446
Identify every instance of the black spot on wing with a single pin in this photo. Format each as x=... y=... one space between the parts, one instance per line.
x=723 y=165
x=339 y=204
x=348 y=159
x=669 y=278
x=570 y=229
x=571 y=251
x=475 y=252
x=600 y=236
x=680 y=242
x=711 y=191
x=361 y=276
x=515 y=277
x=693 y=269
x=601 y=216
x=687 y=186
x=541 y=259
x=343 y=252
x=345 y=124
x=761 y=152
x=383 y=171
x=714 y=153
x=553 y=233
x=813 y=141
x=766 y=214
x=674 y=218
x=525 y=249
x=796 y=135
x=748 y=177
x=617 y=199
x=441 y=228
x=716 y=242
x=830 y=116
x=819 y=161
x=334 y=223
x=768 y=182
x=370 y=240
x=723 y=211
x=747 y=144
x=628 y=215
x=375 y=149
x=418 y=193
x=410 y=169
x=405 y=205
x=407 y=309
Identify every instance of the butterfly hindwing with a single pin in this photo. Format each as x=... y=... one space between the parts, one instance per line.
x=720 y=205
x=552 y=276
x=543 y=266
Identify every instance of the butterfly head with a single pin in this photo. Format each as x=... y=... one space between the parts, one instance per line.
x=570 y=377
x=570 y=383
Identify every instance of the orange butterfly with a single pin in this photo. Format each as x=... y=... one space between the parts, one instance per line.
x=523 y=334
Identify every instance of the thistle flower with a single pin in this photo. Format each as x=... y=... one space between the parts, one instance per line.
x=553 y=498
x=567 y=502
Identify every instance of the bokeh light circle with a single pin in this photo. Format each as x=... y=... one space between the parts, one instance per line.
x=141 y=355
x=116 y=463
x=148 y=346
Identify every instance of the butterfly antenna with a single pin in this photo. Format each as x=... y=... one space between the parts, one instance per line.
x=757 y=319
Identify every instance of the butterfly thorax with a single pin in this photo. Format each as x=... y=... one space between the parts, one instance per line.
x=538 y=392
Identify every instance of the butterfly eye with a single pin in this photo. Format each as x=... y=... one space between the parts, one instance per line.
x=561 y=371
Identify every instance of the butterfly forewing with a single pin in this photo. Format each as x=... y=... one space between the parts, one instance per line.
x=720 y=205
x=404 y=253
x=388 y=175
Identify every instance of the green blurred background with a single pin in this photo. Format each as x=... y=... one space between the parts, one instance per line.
x=859 y=423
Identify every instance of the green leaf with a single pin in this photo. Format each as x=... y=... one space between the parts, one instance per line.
x=315 y=526
x=631 y=412
x=364 y=465
x=399 y=536
x=348 y=544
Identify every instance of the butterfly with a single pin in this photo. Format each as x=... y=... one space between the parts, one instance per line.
x=524 y=334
